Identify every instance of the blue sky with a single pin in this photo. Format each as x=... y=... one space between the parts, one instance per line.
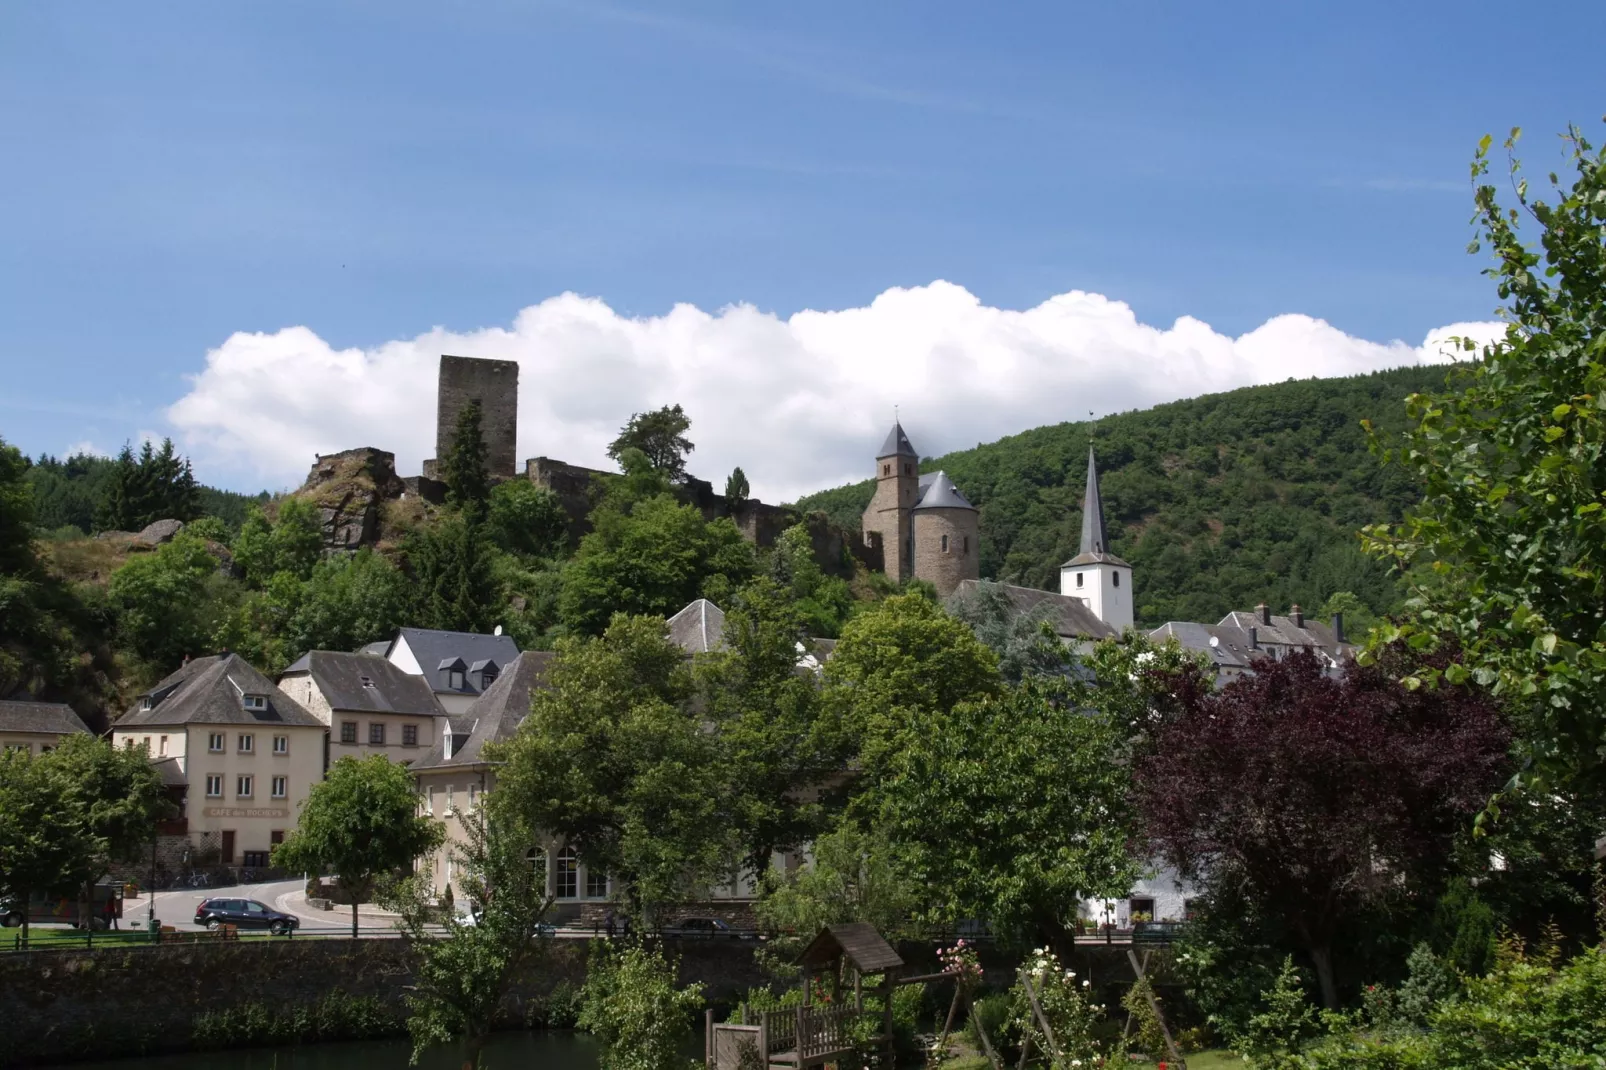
x=181 y=172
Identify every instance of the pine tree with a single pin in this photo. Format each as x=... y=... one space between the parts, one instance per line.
x=464 y=468
x=736 y=488
x=122 y=494
x=451 y=567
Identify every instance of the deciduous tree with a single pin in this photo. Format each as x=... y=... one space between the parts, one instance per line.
x=661 y=436
x=1315 y=794
x=1511 y=531
x=362 y=822
x=46 y=845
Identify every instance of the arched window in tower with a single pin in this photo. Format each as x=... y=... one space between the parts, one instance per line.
x=945 y=544
x=568 y=882
x=886 y=469
x=1116 y=577
x=1079 y=579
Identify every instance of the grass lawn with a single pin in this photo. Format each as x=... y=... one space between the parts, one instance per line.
x=62 y=936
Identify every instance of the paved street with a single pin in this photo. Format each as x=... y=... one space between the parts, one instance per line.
x=177 y=908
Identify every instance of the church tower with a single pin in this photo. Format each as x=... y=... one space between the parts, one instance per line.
x=897 y=488
x=1100 y=579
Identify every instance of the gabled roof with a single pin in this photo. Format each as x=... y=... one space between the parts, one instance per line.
x=897 y=444
x=495 y=715
x=1227 y=646
x=857 y=941
x=208 y=691
x=168 y=769
x=1068 y=616
x=940 y=493
x=699 y=628
x=1093 y=538
x=366 y=683
x=39 y=718
x=1282 y=631
x=432 y=648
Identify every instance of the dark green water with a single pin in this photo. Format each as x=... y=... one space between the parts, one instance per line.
x=556 y=1050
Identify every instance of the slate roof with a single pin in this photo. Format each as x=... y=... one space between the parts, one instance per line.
x=1068 y=616
x=1095 y=549
x=1282 y=631
x=40 y=718
x=1231 y=648
x=495 y=715
x=433 y=648
x=940 y=493
x=363 y=682
x=168 y=769
x=1243 y=638
x=857 y=941
x=699 y=628
x=897 y=444
x=208 y=690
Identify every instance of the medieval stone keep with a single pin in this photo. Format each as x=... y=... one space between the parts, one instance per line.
x=493 y=385
x=925 y=528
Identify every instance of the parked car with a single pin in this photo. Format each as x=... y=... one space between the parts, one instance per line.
x=707 y=928
x=245 y=914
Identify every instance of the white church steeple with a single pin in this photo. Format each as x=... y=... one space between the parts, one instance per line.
x=1100 y=579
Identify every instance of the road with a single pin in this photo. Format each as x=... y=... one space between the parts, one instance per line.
x=177 y=908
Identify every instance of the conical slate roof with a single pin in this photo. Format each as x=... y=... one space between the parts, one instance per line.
x=897 y=444
x=941 y=493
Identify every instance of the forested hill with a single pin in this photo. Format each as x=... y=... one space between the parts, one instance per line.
x=1219 y=502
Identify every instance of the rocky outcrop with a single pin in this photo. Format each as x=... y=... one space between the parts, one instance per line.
x=157 y=533
x=349 y=488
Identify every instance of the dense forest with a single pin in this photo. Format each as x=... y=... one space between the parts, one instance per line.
x=1219 y=502
x=84 y=491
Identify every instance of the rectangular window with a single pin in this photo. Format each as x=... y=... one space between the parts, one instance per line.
x=276 y=837
x=473 y=797
x=281 y=744
x=596 y=885
x=242 y=786
x=945 y=544
x=248 y=743
x=254 y=860
x=216 y=741
x=409 y=735
x=281 y=787
x=128 y=742
x=1079 y=579
x=147 y=744
x=429 y=803
x=568 y=876
x=162 y=747
x=376 y=733
x=348 y=731
x=448 y=798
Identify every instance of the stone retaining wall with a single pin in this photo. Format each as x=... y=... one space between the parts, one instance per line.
x=64 y=1005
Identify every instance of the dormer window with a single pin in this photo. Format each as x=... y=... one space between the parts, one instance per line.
x=454 y=674
x=145 y=702
x=484 y=671
x=254 y=703
x=456 y=679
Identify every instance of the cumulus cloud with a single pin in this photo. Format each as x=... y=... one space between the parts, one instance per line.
x=800 y=403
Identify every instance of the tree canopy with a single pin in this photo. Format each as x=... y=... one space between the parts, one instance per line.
x=1508 y=543
x=362 y=822
x=661 y=437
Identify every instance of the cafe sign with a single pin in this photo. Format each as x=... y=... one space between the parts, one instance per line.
x=245 y=811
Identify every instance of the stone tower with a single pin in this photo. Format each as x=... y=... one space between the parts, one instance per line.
x=1096 y=576
x=495 y=385
x=947 y=533
x=897 y=488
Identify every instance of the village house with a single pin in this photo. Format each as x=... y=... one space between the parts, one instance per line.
x=36 y=727
x=458 y=666
x=239 y=754
x=369 y=704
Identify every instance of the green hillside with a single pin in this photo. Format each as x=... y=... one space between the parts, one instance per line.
x=1219 y=502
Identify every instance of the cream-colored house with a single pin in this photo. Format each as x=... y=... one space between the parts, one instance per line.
x=36 y=727
x=247 y=753
x=369 y=704
x=455 y=776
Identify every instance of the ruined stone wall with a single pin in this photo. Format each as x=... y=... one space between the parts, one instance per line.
x=348 y=489
x=495 y=385
x=944 y=566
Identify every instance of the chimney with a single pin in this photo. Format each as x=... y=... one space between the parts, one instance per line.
x=1298 y=615
x=446 y=741
x=1338 y=628
x=1254 y=637
x=1263 y=611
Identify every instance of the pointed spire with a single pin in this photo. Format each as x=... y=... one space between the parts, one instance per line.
x=897 y=444
x=1093 y=540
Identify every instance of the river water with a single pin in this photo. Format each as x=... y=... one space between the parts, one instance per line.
x=544 y=1050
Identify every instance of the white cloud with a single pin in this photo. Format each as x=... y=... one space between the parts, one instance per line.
x=85 y=448
x=799 y=403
